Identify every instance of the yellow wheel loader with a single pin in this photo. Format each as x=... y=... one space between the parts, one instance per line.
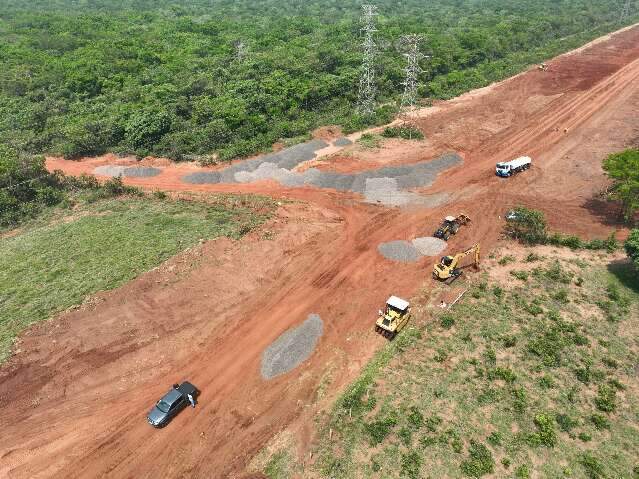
x=451 y=225
x=449 y=268
x=393 y=319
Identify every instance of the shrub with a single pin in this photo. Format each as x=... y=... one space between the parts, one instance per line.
x=585 y=437
x=480 y=462
x=432 y=423
x=606 y=397
x=566 y=423
x=600 y=421
x=532 y=257
x=447 y=321
x=505 y=374
x=369 y=140
x=495 y=438
x=405 y=132
x=529 y=226
x=440 y=356
x=545 y=435
x=498 y=292
x=415 y=418
x=546 y=382
x=379 y=429
x=632 y=247
x=592 y=466
x=406 y=436
x=520 y=275
x=506 y=259
x=505 y=462
x=522 y=472
x=411 y=464
x=623 y=168
x=509 y=341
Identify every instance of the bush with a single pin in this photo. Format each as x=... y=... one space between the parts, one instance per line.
x=505 y=374
x=606 y=398
x=494 y=439
x=520 y=275
x=447 y=321
x=480 y=462
x=592 y=466
x=368 y=140
x=600 y=421
x=405 y=132
x=411 y=464
x=379 y=429
x=566 y=423
x=632 y=247
x=623 y=168
x=528 y=226
x=522 y=472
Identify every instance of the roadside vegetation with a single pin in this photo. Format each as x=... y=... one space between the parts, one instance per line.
x=623 y=169
x=531 y=374
x=99 y=238
x=218 y=79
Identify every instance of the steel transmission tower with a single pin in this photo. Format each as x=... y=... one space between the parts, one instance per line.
x=410 y=45
x=367 y=87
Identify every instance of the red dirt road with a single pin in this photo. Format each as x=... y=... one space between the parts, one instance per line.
x=74 y=398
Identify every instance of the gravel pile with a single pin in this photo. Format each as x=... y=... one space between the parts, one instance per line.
x=385 y=185
x=109 y=170
x=130 y=171
x=400 y=250
x=343 y=141
x=142 y=171
x=292 y=348
x=429 y=246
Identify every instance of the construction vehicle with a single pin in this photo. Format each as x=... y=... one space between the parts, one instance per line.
x=449 y=268
x=509 y=168
x=450 y=226
x=393 y=319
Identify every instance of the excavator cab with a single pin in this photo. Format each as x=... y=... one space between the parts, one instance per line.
x=449 y=269
x=394 y=317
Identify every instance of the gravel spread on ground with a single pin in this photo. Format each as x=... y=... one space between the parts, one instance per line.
x=386 y=185
x=343 y=141
x=292 y=348
x=400 y=250
x=130 y=171
x=429 y=246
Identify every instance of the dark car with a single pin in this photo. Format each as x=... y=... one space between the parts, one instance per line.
x=172 y=403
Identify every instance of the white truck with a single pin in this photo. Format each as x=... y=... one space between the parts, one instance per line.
x=511 y=167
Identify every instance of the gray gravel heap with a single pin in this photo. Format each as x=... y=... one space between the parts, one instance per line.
x=130 y=171
x=386 y=185
x=142 y=171
x=402 y=251
x=292 y=348
x=343 y=141
x=429 y=246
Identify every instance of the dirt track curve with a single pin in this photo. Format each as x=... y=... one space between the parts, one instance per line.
x=74 y=398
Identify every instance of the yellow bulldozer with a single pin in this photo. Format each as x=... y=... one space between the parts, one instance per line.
x=449 y=268
x=394 y=317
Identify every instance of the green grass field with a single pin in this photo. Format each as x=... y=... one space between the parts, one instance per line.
x=532 y=374
x=57 y=262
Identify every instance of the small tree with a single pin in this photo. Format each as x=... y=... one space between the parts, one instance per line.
x=632 y=247
x=623 y=168
x=528 y=226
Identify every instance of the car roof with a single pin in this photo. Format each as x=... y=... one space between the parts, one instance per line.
x=398 y=303
x=172 y=396
x=187 y=388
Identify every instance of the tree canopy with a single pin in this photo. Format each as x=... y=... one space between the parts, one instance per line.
x=82 y=77
x=623 y=168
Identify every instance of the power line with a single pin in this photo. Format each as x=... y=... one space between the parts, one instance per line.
x=367 y=86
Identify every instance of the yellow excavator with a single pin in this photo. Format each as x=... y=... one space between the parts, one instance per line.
x=449 y=269
x=394 y=317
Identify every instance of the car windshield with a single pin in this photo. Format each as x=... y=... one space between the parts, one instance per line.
x=163 y=405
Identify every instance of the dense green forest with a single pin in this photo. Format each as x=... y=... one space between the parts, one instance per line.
x=82 y=77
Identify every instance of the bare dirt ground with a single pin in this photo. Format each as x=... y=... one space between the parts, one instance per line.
x=74 y=398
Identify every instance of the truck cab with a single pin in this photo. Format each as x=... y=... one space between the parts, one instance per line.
x=503 y=170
